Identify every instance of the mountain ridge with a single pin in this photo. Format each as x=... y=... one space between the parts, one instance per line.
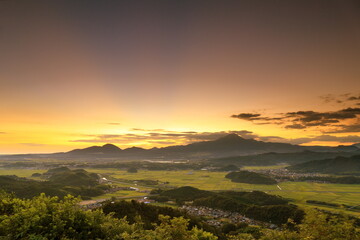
x=227 y=146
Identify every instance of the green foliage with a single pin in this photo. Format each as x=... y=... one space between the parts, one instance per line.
x=250 y=177
x=257 y=205
x=318 y=226
x=149 y=214
x=255 y=197
x=186 y=193
x=77 y=177
x=132 y=170
x=50 y=218
x=160 y=199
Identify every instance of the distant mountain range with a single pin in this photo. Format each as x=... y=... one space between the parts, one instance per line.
x=227 y=146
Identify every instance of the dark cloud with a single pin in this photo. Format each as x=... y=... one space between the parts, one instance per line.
x=354 y=98
x=324 y=117
x=258 y=118
x=295 y=126
x=342 y=98
x=306 y=119
x=247 y=116
x=346 y=129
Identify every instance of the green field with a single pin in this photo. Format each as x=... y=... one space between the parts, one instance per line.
x=20 y=172
x=298 y=192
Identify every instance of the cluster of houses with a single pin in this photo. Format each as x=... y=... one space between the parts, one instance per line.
x=282 y=174
x=217 y=217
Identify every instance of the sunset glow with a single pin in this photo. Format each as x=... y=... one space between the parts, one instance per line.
x=178 y=72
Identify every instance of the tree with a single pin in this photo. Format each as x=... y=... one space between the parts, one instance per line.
x=48 y=218
x=318 y=226
x=132 y=170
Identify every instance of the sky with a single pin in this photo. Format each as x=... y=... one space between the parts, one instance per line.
x=158 y=73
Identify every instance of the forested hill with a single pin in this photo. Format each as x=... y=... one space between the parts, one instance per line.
x=55 y=182
x=336 y=165
x=250 y=177
x=257 y=205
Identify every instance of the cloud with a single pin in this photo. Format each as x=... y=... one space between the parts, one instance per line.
x=295 y=126
x=354 y=98
x=324 y=138
x=341 y=99
x=329 y=98
x=258 y=118
x=247 y=116
x=307 y=119
x=166 y=138
x=162 y=137
x=352 y=128
x=323 y=118
x=2 y=132
x=33 y=144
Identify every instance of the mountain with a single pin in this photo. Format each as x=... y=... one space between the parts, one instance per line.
x=105 y=149
x=335 y=165
x=227 y=146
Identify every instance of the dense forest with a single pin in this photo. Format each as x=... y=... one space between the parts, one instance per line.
x=250 y=177
x=256 y=205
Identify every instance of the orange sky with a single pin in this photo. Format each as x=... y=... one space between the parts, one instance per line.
x=74 y=75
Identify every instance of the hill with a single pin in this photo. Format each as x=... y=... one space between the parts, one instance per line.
x=273 y=158
x=107 y=149
x=335 y=165
x=250 y=177
x=257 y=205
x=77 y=177
x=60 y=182
x=186 y=193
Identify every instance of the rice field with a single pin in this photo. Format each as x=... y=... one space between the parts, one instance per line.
x=298 y=192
